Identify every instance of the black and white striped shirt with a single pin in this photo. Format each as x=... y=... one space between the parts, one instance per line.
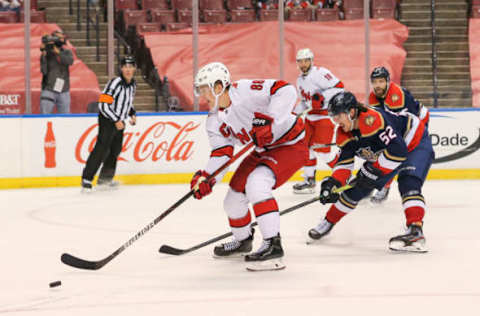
x=116 y=101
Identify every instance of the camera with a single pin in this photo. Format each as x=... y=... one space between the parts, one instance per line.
x=50 y=41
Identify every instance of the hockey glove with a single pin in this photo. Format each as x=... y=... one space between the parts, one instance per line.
x=326 y=190
x=317 y=101
x=200 y=186
x=367 y=176
x=262 y=129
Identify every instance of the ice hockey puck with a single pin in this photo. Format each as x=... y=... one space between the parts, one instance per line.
x=55 y=284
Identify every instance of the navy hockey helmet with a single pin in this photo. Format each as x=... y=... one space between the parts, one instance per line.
x=342 y=103
x=380 y=72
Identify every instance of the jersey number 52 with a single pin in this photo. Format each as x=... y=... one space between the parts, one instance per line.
x=387 y=135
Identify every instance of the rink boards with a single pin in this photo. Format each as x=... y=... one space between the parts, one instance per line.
x=169 y=147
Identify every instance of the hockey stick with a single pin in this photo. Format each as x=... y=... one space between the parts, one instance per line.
x=95 y=265
x=322 y=145
x=169 y=250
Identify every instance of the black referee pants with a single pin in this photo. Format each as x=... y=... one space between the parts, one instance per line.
x=106 y=150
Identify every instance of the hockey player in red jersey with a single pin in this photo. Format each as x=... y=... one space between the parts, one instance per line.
x=389 y=142
x=390 y=96
x=241 y=112
x=311 y=83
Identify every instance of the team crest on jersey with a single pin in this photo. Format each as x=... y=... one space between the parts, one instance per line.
x=369 y=120
x=395 y=97
x=368 y=154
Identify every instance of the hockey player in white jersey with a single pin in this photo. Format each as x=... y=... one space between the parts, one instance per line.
x=241 y=112
x=311 y=82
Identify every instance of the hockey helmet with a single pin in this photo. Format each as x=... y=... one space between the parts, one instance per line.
x=304 y=53
x=342 y=103
x=210 y=74
x=380 y=72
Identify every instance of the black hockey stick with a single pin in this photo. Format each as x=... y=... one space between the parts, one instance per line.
x=169 y=250
x=95 y=265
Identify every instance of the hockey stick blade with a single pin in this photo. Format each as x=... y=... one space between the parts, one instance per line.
x=169 y=250
x=75 y=262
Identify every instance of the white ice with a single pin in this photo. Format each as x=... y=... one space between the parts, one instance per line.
x=350 y=273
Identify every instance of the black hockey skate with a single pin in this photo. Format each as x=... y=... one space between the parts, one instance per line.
x=305 y=187
x=268 y=257
x=234 y=248
x=320 y=231
x=380 y=196
x=86 y=186
x=412 y=241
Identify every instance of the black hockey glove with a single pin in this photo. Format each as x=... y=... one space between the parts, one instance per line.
x=326 y=190
x=367 y=176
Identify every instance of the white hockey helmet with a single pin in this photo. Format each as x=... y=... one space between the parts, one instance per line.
x=210 y=74
x=304 y=53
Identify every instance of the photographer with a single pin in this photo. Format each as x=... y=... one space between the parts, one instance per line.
x=54 y=63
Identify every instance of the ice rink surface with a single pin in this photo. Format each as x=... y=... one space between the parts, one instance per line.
x=352 y=272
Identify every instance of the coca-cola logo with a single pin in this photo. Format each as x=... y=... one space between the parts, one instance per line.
x=9 y=99
x=154 y=143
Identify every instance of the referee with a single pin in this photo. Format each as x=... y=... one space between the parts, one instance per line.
x=115 y=104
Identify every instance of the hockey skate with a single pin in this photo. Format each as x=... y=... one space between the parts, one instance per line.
x=320 y=231
x=380 y=196
x=305 y=187
x=268 y=257
x=234 y=248
x=86 y=186
x=412 y=241
x=107 y=185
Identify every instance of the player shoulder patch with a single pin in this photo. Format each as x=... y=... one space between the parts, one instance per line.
x=343 y=138
x=395 y=98
x=277 y=85
x=370 y=122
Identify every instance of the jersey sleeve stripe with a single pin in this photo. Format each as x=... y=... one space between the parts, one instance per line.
x=392 y=157
x=222 y=151
x=345 y=162
x=385 y=164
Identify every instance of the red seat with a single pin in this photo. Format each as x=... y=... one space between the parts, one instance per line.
x=383 y=13
x=476 y=11
x=300 y=15
x=8 y=17
x=133 y=17
x=327 y=14
x=35 y=16
x=33 y=4
x=353 y=4
x=215 y=16
x=182 y=4
x=242 y=16
x=184 y=16
x=269 y=15
x=211 y=5
x=125 y=4
x=163 y=16
x=239 y=4
x=383 y=4
x=353 y=14
x=176 y=26
x=155 y=4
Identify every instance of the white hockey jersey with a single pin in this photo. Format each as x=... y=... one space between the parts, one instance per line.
x=230 y=126
x=315 y=82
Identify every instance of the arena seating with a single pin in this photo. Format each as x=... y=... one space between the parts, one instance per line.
x=327 y=14
x=474 y=48
x=344 y=39
x=83 y=82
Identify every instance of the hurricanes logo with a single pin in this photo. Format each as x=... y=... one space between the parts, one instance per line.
x=367 y=154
